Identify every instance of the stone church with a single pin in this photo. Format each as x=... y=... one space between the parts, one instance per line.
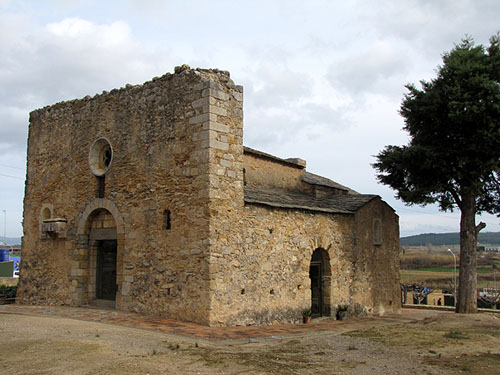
x=145 y=199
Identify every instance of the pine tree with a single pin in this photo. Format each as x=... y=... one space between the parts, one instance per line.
x=453 y=156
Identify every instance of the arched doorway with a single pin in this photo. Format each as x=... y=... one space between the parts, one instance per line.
x=103 y=255
x=98 y=258
x=320 y=275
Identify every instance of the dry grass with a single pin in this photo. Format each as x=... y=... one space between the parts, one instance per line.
x=443 y=280
x=419 y=342
x=424 y=260
x=467 y=344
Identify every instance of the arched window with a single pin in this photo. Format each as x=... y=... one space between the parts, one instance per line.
x=377 y=232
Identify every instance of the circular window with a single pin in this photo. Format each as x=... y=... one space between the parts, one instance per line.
x=100 y=156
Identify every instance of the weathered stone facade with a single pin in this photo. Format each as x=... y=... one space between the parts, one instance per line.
x=146 y=198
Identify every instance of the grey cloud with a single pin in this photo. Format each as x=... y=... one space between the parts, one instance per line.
x=43 y=66
x=430 y=27
x=13 y=129
x=369 y=70
x=277 y=86
x=322 y=114
x=291 y=124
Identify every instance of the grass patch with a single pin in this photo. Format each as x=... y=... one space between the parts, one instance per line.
x=456 y=335
x=371 y=334
x=479 y=364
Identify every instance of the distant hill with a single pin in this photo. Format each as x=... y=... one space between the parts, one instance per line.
x=441 y=239
x=10 y=240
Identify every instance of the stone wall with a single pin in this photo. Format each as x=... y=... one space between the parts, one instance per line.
x=165 y=135
x=376 y=260
x=265 y=172
x=264 y=277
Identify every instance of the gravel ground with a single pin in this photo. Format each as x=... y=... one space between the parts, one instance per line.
x=48 y=345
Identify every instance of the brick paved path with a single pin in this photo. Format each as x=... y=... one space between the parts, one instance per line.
x=193 y=330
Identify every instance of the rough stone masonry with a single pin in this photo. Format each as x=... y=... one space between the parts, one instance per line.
x=144 y=199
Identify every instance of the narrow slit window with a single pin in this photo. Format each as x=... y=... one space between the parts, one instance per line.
x=167 y=224
x=377 y=232
x=101 y=186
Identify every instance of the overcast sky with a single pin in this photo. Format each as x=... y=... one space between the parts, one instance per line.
x=323 y=79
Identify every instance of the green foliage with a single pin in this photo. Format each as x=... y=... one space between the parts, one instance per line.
x=8 y=291
x=454 y=127
x=456 y=335
x=453 y=157
x=307 y=312
x=342 y=308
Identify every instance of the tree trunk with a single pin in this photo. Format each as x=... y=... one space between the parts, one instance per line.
x=467 y=293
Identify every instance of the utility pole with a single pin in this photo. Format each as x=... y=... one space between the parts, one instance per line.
x=454 y=278
x=5 y=225
x=495 y=280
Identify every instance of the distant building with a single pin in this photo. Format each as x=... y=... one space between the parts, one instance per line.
x=488 y=249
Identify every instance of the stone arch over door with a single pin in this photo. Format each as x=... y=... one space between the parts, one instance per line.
x=320 y=273
x=99 y=227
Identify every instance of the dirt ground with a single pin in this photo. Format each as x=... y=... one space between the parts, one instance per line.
x=440 y=343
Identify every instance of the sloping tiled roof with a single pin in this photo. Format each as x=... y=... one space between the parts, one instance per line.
x=341 y=204
x=314 y=179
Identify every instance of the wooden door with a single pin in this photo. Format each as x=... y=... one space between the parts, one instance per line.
x=106 y=270
x=316 y=288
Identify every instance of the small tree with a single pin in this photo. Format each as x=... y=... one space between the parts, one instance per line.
x=454 y=150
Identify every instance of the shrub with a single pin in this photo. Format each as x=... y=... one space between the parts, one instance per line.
x=8 y=292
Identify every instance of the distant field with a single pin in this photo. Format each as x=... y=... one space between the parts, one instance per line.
x=443 y=279
x=433 y=266
x=450 y=269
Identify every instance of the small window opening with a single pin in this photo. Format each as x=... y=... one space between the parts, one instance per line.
x=166 y=220
x=242 y=291
x=168 y=291
x=271 y=292
x=101 y=186
x=46 y=214
x=244 y=177
x=377 y=232
x=107 y=156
